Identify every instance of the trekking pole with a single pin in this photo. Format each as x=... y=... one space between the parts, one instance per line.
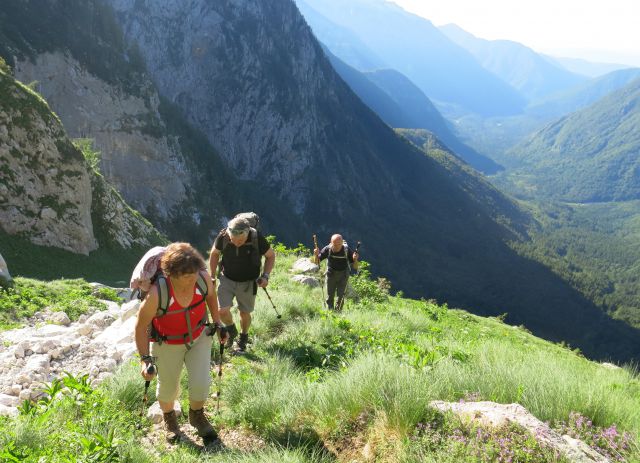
x=315 y=245
x=151 y=369
x=341 y=301
x=219 y=392
x=272 y=304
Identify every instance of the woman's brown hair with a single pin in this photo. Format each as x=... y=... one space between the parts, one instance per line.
x=180 y=259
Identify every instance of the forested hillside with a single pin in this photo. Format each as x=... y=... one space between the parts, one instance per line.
x=588 y=156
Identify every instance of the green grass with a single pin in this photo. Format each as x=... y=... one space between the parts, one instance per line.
x=28 y=296
x=319 y=387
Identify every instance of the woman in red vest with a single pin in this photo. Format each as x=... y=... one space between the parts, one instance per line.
x=178 y=335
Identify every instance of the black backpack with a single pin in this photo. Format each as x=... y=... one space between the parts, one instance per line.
x=254 y=223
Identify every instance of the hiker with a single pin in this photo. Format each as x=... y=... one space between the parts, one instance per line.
x=180 y=335
x=340 y=260
x=239 y=249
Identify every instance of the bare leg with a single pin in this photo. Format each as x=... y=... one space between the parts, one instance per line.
x=245 y=321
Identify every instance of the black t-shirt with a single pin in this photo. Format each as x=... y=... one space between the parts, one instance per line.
x=337 y=260
x=240 y=263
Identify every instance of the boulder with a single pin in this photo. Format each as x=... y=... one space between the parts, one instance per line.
x=100 y=319
x=306 y=280
x=154 y=414
x=492 y=414
x=59 y=318
x=9 y=400
x=5 y=278
x=8 y=411
x=303 y=265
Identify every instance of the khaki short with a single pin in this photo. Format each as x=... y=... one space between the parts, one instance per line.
x=171 y=357
x=241 y=290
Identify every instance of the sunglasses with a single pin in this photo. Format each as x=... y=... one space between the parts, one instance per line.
x=237 y=232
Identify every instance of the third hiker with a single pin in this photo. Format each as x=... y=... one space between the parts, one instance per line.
x=340 y=260
x=239 y=249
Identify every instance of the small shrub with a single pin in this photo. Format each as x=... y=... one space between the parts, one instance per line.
x=4 y=67
x=367 y=289
x=463 y=443
x=613 y=444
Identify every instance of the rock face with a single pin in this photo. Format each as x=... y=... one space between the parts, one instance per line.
x=217 y=62
x=48 y=191
x=45 y=187
x=496 y=415
x=5 y=276
x=144 y=164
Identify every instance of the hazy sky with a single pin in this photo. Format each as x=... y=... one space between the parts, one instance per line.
x=597 y=30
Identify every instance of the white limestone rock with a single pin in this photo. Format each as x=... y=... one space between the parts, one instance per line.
x=60 y=318
x=154 y=414
x=8 y=411
x=304 y=265
x=101 y=319
x=9 y=400
x=496 y=415
x=306 y=280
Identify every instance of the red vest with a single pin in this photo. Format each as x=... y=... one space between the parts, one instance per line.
x=173 y=328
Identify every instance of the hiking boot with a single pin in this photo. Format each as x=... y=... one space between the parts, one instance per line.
x=171 y=426
x=242 y=342
x=198 y=420
x=232 y=333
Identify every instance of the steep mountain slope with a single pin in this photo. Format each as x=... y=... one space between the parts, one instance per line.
x=582 y=95
x=588 y=156
x=412 y=45
x=250 y=77
x=415 y=102
x=343 y=43
x=78 y=57
x=531 y=74
x=401 y=104
x=49 y=194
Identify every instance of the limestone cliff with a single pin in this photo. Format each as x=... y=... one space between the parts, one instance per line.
x=45 y=188
x=144 y=164
x=48 y=192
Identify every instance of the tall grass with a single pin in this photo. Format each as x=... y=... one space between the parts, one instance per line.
x=322 y=386
x=500 y=372
x=374 y=384
x=267 y=398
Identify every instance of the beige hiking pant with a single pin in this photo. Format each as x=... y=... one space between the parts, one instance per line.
x=169 y=360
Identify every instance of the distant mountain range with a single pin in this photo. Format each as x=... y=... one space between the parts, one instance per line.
x=586 y=68
x=582 y=95
x=401 y=104
x=525 y=70
x=589 y=156
x=411 y=45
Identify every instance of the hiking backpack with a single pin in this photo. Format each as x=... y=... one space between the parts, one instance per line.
x=345 y=248
x=148 y=272
x=254 y=224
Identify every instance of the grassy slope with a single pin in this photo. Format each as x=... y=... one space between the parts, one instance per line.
x=587 y=156
x=327 y=387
